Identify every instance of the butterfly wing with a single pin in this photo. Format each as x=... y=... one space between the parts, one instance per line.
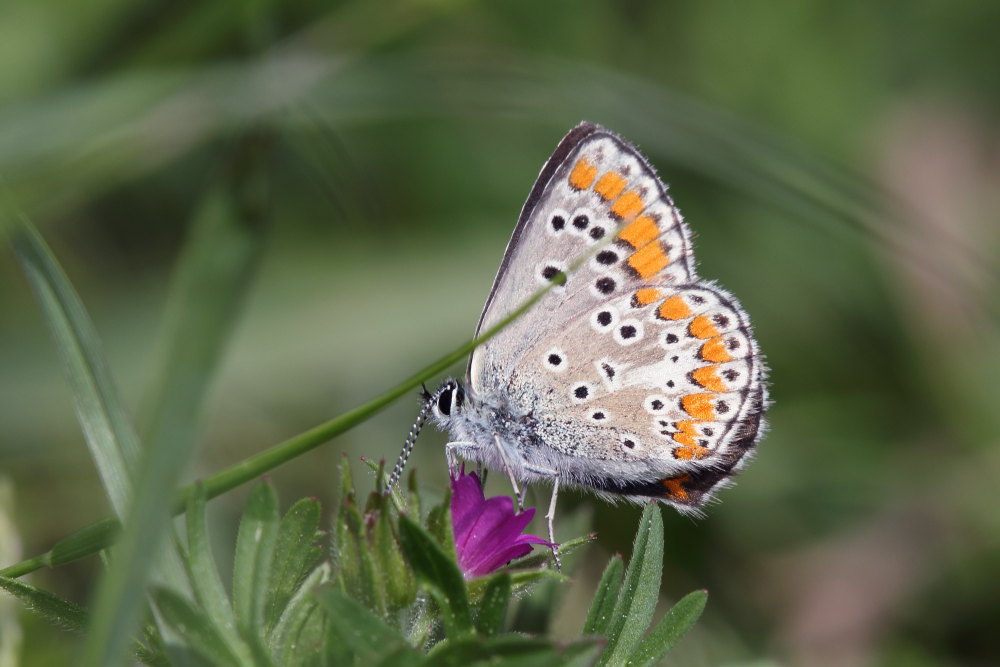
x=579 y=198
x=641 y=379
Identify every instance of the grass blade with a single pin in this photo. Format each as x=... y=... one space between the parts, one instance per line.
x=209 y=284
x=107 y=428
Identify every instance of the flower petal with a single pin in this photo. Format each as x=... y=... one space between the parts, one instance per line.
x=466 y=499
x=488 y=533
x=497 y=559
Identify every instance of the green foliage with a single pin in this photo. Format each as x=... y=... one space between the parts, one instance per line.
x=271 y=619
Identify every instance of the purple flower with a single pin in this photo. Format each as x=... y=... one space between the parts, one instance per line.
x=487 y=532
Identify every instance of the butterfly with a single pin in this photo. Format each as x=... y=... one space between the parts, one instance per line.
x=632 y=376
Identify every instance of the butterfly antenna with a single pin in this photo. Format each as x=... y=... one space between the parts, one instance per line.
x=411 y=440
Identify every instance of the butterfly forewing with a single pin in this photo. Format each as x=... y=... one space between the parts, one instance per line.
x=593 y=188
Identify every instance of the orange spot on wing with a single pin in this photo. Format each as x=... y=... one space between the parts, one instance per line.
x=693 y=452
x=640 y=231
x=647 y=295
x=715 y=351
x=675 y=487
x=648 y=260
x=699 y=406
x=702 y=327
x=707 y=377
x=583 y=175
x=628 y=205
x=674 y=308
x=610 y=185
x=686 y=433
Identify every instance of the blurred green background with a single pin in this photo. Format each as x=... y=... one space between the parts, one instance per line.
x=839 y=163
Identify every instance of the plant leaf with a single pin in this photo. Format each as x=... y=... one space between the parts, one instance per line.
x=439 y=574
x=397 y=581
x=356 y=570
x=286 y=639
x=506 y=651
x=58 y=610
x=254 y=555
x=636 y=603
x=195 y=626
x=355 y=632
x=674 y=625
x=493 y=606
x=206 y=584
x=295 y=554
x=605 y=598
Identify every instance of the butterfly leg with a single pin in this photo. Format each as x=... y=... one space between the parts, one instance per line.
x=463 y=449
x=510 y=474
x=551 y=515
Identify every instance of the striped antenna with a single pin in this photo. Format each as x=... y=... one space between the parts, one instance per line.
x=411 y=439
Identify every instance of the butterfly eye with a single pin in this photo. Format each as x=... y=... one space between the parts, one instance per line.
x=444 y=402
x=451 y=398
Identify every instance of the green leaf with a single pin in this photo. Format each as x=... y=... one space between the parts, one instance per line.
x=674 y=625
x=605 y=598
x=286 y=640
x=439 y=523
x=397 y=581
x=404 y=657
x=356 y=570
x=295 y=554
x=413 y=494
x=636 y=603
x=195 y=626
x=506 y=651
x=355 y=631
x=493 y=606
x=206 y=584
x=439 y=573
x=542 y=556
x=254 y=555
x=58 y=610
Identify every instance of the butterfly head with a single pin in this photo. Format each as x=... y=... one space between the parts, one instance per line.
x=444 y=405
x=447 y=402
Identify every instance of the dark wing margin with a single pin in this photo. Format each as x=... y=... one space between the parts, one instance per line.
x=689 y=491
